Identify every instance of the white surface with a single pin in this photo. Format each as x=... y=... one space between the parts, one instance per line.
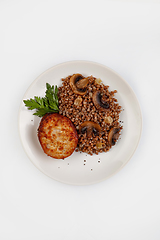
x=36 y=35
x=73 y=170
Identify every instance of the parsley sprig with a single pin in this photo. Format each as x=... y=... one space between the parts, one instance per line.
x=47 y=104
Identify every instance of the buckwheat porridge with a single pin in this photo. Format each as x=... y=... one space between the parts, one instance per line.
x=94 y=111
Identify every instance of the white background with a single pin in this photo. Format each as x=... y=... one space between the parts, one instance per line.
x=38 y=34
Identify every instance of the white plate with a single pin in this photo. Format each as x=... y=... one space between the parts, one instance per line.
x=80 y=168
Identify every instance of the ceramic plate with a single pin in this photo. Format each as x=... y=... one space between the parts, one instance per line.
x=80 y=168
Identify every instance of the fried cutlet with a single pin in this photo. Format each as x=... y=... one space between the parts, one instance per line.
x=57 y=135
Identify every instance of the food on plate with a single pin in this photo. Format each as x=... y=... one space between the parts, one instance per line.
x=113 y=135
x=90 y=128
x=100 y=101
x=57 y=136
x=93 y=110
x=81 y=115
x=78 y=84
x=43 y=105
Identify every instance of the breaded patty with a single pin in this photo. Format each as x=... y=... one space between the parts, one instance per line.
x=57 y=136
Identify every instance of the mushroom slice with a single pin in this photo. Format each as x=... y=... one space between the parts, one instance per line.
x=100 y=102
x=78 y=84
x=113 y=135
x=82 y=83
x=91 y=128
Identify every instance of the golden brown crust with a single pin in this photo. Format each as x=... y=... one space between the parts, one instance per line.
x=57 y=136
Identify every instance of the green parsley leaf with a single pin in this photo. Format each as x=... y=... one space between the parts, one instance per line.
x=47 y=104
x=31 y=104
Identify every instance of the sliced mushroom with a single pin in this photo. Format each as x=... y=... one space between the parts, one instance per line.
x=91 y=128
x=113 y=135
x=78 y=84
x=100 y=101
x=82 y=83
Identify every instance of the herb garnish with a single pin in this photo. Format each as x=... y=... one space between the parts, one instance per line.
x=47 y=104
